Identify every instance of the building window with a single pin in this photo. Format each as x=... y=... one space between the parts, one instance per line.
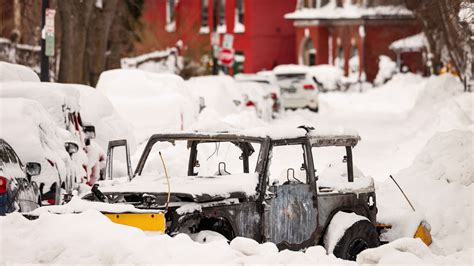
x=171 y=15
x=204 y=16
x=239 y=25
x=221 y=28
x=339 y=60
x=308 y=53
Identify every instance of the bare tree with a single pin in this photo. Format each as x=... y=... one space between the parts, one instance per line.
x=74 y=17
x=444 y=30
x=98 y=35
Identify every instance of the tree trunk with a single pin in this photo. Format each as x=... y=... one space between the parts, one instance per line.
x=97 y=40
x=74 y=17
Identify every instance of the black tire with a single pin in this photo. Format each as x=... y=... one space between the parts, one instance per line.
x=357 y=238
x=314 y=109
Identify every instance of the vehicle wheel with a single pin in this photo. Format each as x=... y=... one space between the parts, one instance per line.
x=360 y=236
x=314 y=109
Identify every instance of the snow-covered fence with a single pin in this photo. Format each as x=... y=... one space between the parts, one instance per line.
x=23 y=54
x=159 y=61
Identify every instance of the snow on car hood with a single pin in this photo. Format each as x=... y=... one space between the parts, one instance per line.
x=193 y=185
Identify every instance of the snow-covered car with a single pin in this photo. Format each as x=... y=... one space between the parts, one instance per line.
x=15 y=72
x=298 y=89
x=18 y=190
x=259 y=97
x=268 y=82
x=35 y=137
x=150 y=101
x=62 y=102
x=220 y=93
x=254 y=184
x=327 y=77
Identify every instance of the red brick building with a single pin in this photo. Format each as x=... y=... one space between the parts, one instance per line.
x=262 y=36
x=352 y=33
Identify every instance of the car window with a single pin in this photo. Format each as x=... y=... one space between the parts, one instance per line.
x=223 y=158
x=291 y=76
x=213 y=158
x=287 y=165
x=330 y=162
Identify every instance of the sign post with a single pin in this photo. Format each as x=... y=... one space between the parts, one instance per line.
x=49 y=32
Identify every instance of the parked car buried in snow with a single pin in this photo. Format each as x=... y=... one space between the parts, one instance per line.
x=253 y=184
x=18 y=192
x=298 y=89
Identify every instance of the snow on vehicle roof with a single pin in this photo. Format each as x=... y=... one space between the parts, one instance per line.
x=411 y=43
x=14 y=72
x=136 y=83
x=290 y=69
x=349 y=11
x=52 y=96
x=252 y=77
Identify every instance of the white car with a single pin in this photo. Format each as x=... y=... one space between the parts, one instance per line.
x=259 y=97
x=220 y=93
x=327 y=77
x=268 y=82
x=298 y=89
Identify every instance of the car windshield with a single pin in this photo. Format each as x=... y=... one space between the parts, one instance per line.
x=212 y=158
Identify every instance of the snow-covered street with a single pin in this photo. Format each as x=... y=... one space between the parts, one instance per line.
x=420 y=130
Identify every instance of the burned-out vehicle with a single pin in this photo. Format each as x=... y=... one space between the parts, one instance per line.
x=272 y=187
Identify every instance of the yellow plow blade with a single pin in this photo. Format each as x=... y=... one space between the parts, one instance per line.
x=144 y=221
x=423 y=233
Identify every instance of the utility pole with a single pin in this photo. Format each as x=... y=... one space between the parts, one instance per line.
x=44 y=75
x=215 y=16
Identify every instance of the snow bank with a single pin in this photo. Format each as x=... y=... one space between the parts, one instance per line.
x=411 y=251
x=439 y=184
x=14 y=72
x=387 y=68
x=91 y=238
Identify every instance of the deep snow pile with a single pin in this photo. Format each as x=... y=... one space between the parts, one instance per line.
x=91 y=238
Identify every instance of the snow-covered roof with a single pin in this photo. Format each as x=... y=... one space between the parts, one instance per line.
x=349 y=11
x=15 y=72
x=54 y=97
x=290 y=69
x=412 y=43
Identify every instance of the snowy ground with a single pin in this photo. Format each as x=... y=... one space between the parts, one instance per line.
x=419 y=130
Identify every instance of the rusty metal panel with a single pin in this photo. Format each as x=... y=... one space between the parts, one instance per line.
x=289 y=215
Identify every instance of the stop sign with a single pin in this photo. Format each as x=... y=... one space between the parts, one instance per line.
x=226 y=57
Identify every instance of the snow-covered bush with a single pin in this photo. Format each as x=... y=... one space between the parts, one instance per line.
x=387 y=68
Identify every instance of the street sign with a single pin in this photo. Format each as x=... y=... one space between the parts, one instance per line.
x=49 y=31
x=228 y=41
x=215 y=39
x=226 y=57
